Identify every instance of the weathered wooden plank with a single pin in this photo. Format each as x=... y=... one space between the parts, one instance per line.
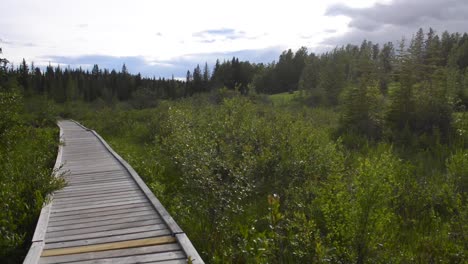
x=97 y=195
x=70 y=155
x=110 y=253
x=75 y=159
x=91 y=168
x=96 y=172
x=173 y=226
x=110 y=191
x=99 y=211
x=97 y=185
x=99 y=155
x=67 y=225
x=86 y=194
x=95 y=176
x=102 y=216
x=161 y=240
x=96 y=206
x=98 y=214
x=88 y=164
x=98 y=202
x=145 y=258
x=83 y=150
x=97 y=198
x=102 y=240
x=87 y=142
x=99 y=174
x=109 y=179
x=94 y=229
x=79 y=182
x=74 y=171
x=88 y=161
x=172 y=261
x=81 y=138
x=107 y=233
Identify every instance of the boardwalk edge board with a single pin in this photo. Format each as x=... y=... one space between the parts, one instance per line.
x=42 y=244
x=185 y=243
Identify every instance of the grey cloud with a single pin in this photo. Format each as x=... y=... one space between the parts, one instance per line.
x=402 y=13
x=222 y=31
x=330 y=31
x=306 y=36
x=390 y=22
x=18 y=43
x=219 y=34
x=6 y=42
x=208 y=40
x=165 y=68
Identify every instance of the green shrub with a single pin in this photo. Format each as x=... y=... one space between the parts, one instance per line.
x=27 y=155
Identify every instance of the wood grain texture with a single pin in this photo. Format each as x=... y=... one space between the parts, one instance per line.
x=68 y=225
x=110 y=253
x=108 y=239
x=173 y=226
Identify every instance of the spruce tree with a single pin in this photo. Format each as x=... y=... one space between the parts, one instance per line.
x=24 y=75
x=206 y=77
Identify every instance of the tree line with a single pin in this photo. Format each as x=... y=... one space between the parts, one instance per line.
x=392 y=90
x=323 y=77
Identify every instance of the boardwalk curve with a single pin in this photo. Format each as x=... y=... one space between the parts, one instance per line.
x=106 y=213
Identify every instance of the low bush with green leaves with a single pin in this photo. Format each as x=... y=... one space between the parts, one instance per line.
x=253 y=183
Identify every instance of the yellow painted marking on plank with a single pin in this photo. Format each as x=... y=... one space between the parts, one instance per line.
x=109 y=246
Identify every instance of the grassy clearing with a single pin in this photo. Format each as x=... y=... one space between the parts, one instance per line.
x=282 y=99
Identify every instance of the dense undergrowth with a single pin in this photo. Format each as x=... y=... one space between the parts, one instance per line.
x=28 y=148
x=253 y=183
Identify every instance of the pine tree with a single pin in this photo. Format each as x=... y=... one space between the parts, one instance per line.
x=400 y=111
x=385 y=67
x=3 y=69
x=24 y=75
x=206 y=77
x=188 y=84
x=285 y=71
x=197 y=80
x=363 y=110
x=309 y=80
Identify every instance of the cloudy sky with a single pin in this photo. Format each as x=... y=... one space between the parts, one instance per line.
x=162 y=38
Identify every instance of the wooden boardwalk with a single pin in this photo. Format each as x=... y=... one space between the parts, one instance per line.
x=106 y=213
